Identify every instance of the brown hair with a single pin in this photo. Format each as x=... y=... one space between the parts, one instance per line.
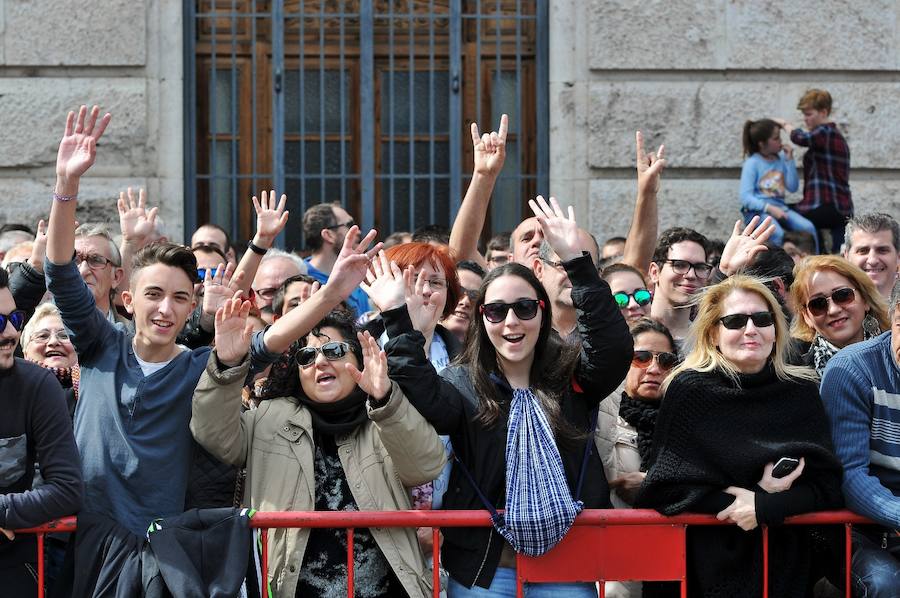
x=815 y=99
x=168 y=254
x=803 y=273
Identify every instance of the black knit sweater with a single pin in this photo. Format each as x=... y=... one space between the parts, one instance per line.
x=713 y=432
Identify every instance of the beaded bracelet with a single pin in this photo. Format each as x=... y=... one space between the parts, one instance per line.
x=59 y=197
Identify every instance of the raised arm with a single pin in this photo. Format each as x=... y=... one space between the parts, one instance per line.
x=607 y=345
x=77 y=152
x=641 y=240
x=490 y=153
x=270 y=221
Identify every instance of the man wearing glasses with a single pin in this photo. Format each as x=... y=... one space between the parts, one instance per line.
x=678 y=271
x=324 y=227
x=100 y=265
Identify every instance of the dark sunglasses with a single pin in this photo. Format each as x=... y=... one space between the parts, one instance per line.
x=332 y=351
x=819 y=305
x=16 y=318
x=472 y=294
x=525 y=309
x=641 y=297
x=643 y=359
x=761 y=319
x=201 y=272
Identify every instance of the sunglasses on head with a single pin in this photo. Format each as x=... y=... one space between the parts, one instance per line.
x=641 y=297
x=761 y=319
x=16 y=318
x=525 y=309
x=819 y=305
x=332 y=351
x=665 y=359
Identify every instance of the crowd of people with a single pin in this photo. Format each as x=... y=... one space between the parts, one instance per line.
x=542 y=374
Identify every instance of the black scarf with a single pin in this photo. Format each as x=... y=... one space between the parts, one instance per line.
x=339 y=417
x=641 y=415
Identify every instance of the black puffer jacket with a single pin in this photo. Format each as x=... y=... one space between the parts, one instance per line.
x=448 y=401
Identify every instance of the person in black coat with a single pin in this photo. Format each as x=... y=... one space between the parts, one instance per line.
x=731 y=411
x=512 y=346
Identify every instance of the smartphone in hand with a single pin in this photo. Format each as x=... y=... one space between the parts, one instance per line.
x=784 y=466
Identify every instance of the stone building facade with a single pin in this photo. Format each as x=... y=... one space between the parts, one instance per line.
x=686 y=73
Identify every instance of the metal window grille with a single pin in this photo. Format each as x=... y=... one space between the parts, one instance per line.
x=365 y=103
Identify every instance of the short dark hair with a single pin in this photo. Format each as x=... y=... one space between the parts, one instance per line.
x=432 y=233
x=674 y=235
x=471 y=266
x=278 y=299
x=500 y=242
x=873 y=222
x=611 y=269
x=343 y=321
x=4 y=278
x=12 y=226
x=315 y=220
x=210 y=248
x=650 y=325
x=804 y=241
x=168 y=254
x=228 y=244
x=774 y=263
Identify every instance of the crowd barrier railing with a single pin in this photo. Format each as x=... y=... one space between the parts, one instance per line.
x=600 y=547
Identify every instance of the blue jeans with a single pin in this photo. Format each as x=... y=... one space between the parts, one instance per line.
x=504 y=586
x=874 y=571
x=793 y=221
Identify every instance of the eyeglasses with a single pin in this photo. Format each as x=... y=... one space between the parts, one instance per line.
x=436 y=284
x=201 y=272
x=44 y=336
x=641 y=296
x=94 y=261
x=498 y=259
x=761 y=319
x=643 y=359
x=682 y=267
x=819 y=305
x=332 y=351
x=16 y=318
x=267 y=293
x=349 y=224
x=472 y=294
x=525 y=309
x=552 y=263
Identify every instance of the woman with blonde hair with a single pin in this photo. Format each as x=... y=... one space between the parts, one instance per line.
x=837 y=305
x=734 y=421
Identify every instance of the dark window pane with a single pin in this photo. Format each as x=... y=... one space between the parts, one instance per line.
x=503 y=100
x=310 y=111
x=220 y=92
x=399 y=105
x=422 y=163
x=313 y=157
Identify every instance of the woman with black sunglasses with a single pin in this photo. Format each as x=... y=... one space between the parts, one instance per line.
x=837 y=305
x=344 y=439
x=743 y=435
x=515 y=363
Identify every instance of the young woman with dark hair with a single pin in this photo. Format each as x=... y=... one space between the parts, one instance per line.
x=515 y=382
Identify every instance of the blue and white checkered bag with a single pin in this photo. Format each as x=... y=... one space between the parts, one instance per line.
x=539 y=506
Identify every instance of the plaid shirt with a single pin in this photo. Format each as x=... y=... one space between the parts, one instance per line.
x=826 y=169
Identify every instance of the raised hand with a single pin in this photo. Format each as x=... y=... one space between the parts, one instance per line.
x=384 y=283
x=352 y=263
x=373 y=379
x=649 y=166
x=219 y=288
x=39 y=247
x=233 y=330
x=745 y=244
x=423 y=312
x=136 y=222
x=490 y=149
x=788 y=151
x=270 y=219
x=742 y=511
x=78 y=147
x=560 y=230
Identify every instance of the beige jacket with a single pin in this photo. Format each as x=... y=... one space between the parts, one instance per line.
x=396 y=449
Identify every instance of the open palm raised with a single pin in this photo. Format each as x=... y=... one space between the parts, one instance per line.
x=78 y=147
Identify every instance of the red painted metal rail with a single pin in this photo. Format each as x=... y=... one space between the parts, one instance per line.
x=595 y=550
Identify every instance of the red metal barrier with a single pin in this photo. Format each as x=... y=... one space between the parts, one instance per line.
x=597 y=549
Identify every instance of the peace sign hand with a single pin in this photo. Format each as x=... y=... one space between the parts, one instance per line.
x=78 y=147
x=490 y=148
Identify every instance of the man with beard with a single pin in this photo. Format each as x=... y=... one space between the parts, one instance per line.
x=35 y=428
x=324 y=227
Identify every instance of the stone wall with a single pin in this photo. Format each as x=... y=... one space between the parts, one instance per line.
x=126 y=56
x=689 y=75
